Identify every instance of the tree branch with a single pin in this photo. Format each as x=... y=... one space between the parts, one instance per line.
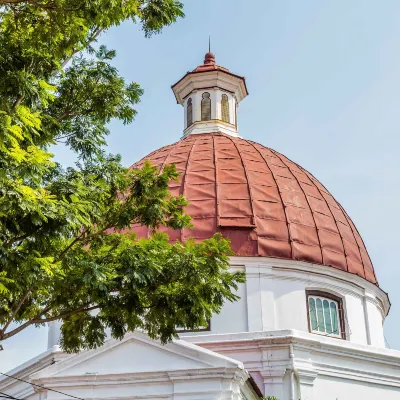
x=97 y=32
x=22 y=237
x=18 y=101
x=17 y=308
x=73 y=114
x=82 y=237
x=76 y=240
x=65 y=314
x=37 y=320
x=4 y=336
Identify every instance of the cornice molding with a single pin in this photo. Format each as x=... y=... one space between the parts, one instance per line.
x=215 y=78
x=306 y=272
x=304 y=340
x=306 y=376
x=140 y=378
x=210 y=126
x=44 y=360
x=181 y=348
x=340 y=353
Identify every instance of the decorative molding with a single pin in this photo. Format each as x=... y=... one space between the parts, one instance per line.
x=273 y=375
x=306 y=376
x=43 y=360
x=303 y=271
x=211 y=126
x=180 y=348
x=217 y=78
x=341 y=359
x=304 y=340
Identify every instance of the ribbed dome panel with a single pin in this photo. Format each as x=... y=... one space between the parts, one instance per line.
x=266 y=204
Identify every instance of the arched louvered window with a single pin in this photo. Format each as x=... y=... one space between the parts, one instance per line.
x=225 y=108
x=189 y=112
x=206 y=107
x=325 y=313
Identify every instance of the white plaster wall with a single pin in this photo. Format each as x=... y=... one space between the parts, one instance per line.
x=355 y=319
x=185 y=112
x=268 y=301
x=217 y=104
x=197 y=105
x=233 y=317
x=324 y=368
x=254 y=302
x=54 y=333
x=205 y=388
x=215 y=124
x=290 y=304
x=375 y=323
x=331 y=388
x=216 y=111
x=214 y=102
x=274 y=298
x=232 y=106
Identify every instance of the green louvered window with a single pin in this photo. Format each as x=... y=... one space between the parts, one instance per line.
x=325 y=314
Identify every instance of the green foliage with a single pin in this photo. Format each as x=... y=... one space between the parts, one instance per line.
x=269 y=398
x=66 y=248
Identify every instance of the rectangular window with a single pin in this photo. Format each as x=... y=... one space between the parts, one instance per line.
x=325 y=314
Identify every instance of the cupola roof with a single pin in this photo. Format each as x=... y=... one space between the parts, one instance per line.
x=207 y=74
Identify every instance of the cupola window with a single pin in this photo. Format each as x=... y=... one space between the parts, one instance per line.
x=225 y=108
x=189 y=112
x=206 y=107
x=325 y=314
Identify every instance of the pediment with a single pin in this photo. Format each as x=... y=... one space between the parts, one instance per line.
x=137 y=353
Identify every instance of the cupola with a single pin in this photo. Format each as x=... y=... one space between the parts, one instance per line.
x=210 y=95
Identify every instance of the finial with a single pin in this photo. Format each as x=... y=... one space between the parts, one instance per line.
x=209 y=58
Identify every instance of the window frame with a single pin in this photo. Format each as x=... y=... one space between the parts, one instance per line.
x=189 y=103
x=328 y=296
x=203 y=102
x=225 y=108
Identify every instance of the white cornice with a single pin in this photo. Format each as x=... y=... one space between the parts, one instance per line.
x=141 y=378
x=290 y=336
x=211 y=126
x=303 y=271
x=367 y=364
x=43 y=360
x=210 y=79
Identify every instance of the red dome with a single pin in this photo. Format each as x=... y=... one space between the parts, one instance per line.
x=264 y=203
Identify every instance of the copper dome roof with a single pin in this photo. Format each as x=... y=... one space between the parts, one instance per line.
x=264 y=203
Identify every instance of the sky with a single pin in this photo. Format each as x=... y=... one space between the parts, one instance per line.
x=324 y=84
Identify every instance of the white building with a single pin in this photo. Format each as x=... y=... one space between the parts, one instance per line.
x=309 y=324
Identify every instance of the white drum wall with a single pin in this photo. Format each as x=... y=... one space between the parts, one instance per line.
x=274 y=298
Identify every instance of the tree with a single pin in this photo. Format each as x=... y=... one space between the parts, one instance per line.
x=66 y=249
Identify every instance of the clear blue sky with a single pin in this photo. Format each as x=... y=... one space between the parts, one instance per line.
x=324 y=83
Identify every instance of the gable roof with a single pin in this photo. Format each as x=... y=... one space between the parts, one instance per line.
x=137 y=353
